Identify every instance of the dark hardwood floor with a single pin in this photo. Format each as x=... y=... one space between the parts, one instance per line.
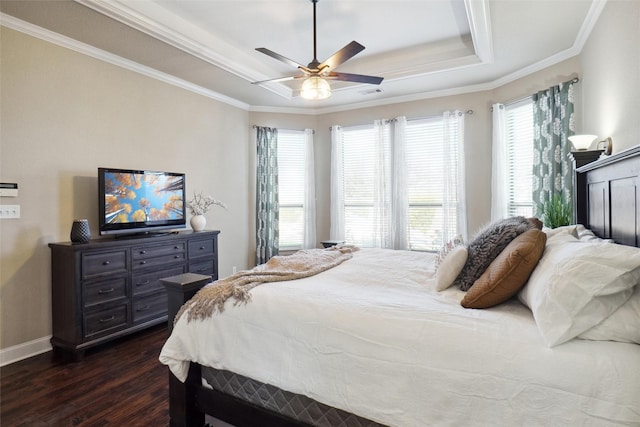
x=121 y=383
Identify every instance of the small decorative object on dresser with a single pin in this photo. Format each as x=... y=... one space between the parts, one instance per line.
x=80 y=232
x=199 y=206
x=198 y=222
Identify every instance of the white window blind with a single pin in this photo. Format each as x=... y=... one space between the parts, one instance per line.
x=291 y=173
x=360 y=156
x=519 y=123
x=426 y=173
x=427 y=163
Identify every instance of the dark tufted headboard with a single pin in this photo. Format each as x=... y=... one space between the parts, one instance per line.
x=611 y=206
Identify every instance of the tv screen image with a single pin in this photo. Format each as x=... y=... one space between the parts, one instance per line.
x=133 y=201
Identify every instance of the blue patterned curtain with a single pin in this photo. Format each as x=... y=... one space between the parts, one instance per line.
x=267 y=209
x=553 y=123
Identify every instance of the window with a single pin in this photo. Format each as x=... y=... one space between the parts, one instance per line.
x=421 y=173
x=291 y=188
x=362 y=176
x=519 y=138
x=430 y=223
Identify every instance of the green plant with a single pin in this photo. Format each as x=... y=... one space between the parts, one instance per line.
x=557 y=211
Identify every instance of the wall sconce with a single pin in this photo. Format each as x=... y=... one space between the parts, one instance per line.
x=606 y=145
x=583 y=142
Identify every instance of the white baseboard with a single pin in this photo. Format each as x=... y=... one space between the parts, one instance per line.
x=24 y=350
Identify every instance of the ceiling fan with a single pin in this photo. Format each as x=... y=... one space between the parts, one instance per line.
x=316 y=74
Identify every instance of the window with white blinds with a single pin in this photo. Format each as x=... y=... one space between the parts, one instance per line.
x=425 y=157
x=519 y=123
x=360 y=175
x=426 y=163
x=291 y=191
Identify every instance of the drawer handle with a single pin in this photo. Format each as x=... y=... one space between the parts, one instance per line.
x=106 y=291
x=107 y=262
x=146 y=307
x=143 y=252
x=201 y=248
x=143 y=262
x=176 y=247
x=176 y=256
x=105 y=320
x=146 y=282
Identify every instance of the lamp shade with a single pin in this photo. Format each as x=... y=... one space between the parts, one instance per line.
x=582 y=142
x=315 y=87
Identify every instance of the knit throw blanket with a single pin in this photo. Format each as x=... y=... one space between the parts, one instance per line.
x=304 y=263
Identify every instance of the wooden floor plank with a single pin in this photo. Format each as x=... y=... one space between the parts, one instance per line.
x=121 y=383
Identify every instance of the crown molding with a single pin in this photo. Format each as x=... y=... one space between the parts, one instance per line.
x=153 y=20
x=480 y=26
x=150 y=21
x=590 y=20
x=93 y=52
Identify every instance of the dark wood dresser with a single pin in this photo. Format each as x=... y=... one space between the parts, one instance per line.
x=108 y=288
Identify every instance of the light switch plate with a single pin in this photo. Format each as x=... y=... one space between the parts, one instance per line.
x=9 y=211
x=8 y=189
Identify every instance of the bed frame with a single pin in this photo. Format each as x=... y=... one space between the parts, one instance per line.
x=611 y=204
x=608 y=204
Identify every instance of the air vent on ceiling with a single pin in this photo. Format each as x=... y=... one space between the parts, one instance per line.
x=371 y=91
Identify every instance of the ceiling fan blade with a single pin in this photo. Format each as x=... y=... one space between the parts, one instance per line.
x=281 y=58
x=279 y=79
x=348 y=77
x=347 y=52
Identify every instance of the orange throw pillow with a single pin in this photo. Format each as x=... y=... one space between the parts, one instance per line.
x=508 y=272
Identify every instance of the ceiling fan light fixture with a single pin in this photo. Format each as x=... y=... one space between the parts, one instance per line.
x=315 y=88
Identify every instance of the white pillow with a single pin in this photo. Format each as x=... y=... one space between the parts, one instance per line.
x=586 y=235
x=565 y=229
x=623 y=325
x=577 y=285
x=450 y=267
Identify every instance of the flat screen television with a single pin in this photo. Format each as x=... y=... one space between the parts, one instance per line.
x=140 y=202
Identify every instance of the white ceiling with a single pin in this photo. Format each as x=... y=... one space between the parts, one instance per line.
x=422 y=48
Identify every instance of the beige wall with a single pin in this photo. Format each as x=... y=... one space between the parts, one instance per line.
x=64 y=114
x=611 y=75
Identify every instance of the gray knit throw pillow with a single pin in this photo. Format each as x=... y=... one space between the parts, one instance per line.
x=488 y=244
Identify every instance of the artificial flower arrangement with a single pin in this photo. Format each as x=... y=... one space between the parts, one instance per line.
x=200 y=204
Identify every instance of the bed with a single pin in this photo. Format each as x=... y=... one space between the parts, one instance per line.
x=372 y=341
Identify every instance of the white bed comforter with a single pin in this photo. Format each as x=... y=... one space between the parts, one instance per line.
x=373 y=337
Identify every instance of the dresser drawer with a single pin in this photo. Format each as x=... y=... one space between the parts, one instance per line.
x=147 y=251
x=104 y=291
x=204 y=267
x=146 y=282
x=158 y=261
x=149 y=307
x=101 y=263
x=198 y=248
x=105 y=321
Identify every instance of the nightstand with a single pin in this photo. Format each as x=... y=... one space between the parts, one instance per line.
x=180 y=289
x=329 y=243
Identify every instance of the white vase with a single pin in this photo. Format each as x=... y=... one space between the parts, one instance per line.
x=198 y=222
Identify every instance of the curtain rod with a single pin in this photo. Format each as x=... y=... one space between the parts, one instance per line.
x=513 y=101
x=470 y=112
x=294 y=130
